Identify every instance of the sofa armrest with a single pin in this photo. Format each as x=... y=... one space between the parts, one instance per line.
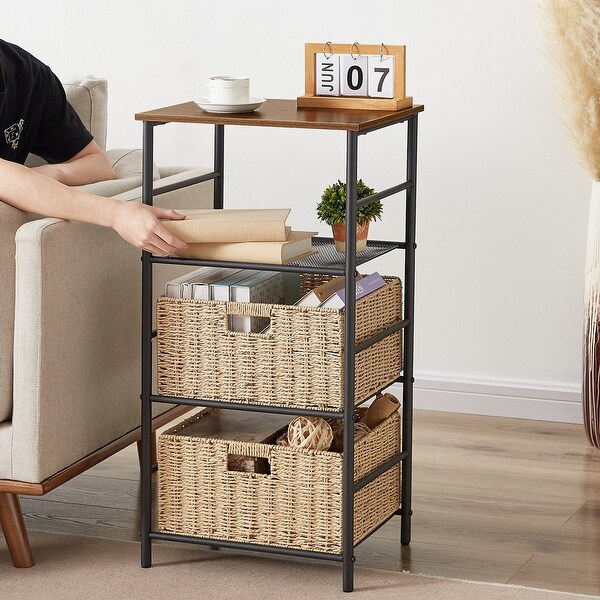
x=76 y=368
x=77 y=343
x=11 y=219
x=128 y=168
x=170 y=170
x=197 y=195
x=112 y=187
x=127 y=163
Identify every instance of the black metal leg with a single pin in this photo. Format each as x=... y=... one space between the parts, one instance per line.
x=219 y=165
x=349 y=361
x=409 y=300
x=146 y=468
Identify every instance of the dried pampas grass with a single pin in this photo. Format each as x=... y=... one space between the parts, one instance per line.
x=572 y=30
x=573 y=47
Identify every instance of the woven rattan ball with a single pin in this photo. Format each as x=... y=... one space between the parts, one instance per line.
x=310 y=433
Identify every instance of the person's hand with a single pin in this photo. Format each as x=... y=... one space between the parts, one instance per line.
x=139 y=225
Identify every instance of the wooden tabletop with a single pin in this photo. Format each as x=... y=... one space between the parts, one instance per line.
x=282 y=113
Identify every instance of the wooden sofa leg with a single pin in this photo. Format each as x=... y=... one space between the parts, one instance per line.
x=153 y=451
x=13 y=525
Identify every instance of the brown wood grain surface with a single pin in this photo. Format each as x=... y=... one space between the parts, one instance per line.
x=282 y=113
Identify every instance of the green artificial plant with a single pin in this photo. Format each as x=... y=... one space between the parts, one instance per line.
x=332 y=208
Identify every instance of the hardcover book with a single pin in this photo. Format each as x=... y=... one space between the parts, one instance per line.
x=298 y=245
x=221 y=290
x=200 y=286
x=183 y=287
x=264 y=287
x=230 y=225
x=174 y=288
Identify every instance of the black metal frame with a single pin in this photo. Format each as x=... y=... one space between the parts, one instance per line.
x=350 y=487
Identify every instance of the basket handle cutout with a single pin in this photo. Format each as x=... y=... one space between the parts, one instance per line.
x=248 y=464
x=248 y=457
x=240 y=317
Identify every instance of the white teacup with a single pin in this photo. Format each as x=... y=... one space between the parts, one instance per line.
x=226 y=89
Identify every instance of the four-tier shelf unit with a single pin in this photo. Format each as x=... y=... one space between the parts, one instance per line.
x=285 y=114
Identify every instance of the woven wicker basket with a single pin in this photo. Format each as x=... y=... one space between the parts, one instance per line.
x=309 y=281
x=300 y=363
x=299 y=505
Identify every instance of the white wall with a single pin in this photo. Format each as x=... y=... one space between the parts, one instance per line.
x=502 y=205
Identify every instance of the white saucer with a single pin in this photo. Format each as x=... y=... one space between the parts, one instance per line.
x=251 y=105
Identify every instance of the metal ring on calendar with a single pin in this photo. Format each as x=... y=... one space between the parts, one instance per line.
x=325 y=49
x=357 y=50
x=381 y=48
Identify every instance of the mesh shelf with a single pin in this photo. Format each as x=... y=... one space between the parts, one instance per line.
x=327 y=261
x=328 y=257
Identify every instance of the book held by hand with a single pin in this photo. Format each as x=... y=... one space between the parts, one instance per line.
x=230 y=225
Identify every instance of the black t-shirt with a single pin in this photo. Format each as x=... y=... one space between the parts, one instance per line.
x=35 y=115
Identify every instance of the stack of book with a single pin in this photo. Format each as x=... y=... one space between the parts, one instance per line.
x=235 y=285
x=250 y=235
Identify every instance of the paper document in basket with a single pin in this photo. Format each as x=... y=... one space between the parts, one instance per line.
x=230 y=225
x=298 y=245
x=364 y=287
x=318 y=295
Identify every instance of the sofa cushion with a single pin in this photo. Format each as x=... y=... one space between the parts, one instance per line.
x=89 y=97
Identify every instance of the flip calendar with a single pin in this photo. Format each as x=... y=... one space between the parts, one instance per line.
x=365 y=76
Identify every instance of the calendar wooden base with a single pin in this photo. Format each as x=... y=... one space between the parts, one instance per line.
x=376 y=99
x=312 y=101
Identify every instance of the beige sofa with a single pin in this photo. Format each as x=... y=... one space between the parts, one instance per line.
x=70 y=332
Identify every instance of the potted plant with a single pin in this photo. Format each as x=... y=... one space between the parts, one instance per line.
x=332 y=210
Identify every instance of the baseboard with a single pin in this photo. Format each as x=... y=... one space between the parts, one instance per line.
x=522 y=400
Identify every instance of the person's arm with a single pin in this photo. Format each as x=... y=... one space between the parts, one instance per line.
x=136 y=223
x=88 y=166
